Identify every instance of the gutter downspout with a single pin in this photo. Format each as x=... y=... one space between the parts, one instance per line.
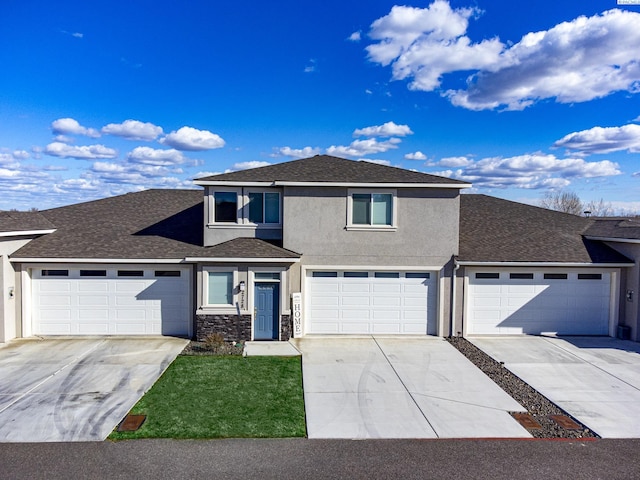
x=453 y=294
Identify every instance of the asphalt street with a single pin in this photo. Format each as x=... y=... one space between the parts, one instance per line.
x=323 y=459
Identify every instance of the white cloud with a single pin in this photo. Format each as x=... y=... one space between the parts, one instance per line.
x=361 y=148
x=87 y=152
x=298 y=152
x=530 y=171
x=20 y=154
x=133 y=130
x=247 y=165
x=311 y=67
x=415 y=156
x=69 y=126
x=603 y=140
x=454 y=162
x=574 y=61
x=355 y=36
x=388 y=129
x=152 y=156
x=425 y=43
x=192 y=139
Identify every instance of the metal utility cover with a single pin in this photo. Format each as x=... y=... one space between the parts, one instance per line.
x=131 y=423
x=526 y=420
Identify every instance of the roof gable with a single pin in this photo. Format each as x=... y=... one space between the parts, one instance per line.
x=330 y=170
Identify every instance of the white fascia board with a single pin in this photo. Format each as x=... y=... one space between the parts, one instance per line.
x=379 y=268
x=544 y=264
x=26 y=232
x=613 y=239
x=284 y=183
x=241 y=260
x=222 y=183
x=369 y=185
x=95 y=260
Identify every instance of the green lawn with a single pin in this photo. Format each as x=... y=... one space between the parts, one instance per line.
x=222 y=397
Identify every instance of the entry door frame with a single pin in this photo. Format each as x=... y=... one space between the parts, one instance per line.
x=260 y=287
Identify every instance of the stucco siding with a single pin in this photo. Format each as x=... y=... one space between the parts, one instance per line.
x=315 y=221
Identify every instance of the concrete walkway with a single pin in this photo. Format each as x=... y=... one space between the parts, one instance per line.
x=76 y=389
x=410 y=387
x=595 y=379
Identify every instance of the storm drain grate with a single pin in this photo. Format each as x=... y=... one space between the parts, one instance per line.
x=565 y=422
x=526 y=420
x=131 y=423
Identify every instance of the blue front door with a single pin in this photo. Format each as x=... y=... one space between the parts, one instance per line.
x=266 y=311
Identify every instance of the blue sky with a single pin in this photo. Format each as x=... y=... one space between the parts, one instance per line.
x=102 y=98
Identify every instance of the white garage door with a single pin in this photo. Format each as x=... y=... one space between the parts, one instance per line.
x=517 y=302
x=370 y=302
x=126 y=300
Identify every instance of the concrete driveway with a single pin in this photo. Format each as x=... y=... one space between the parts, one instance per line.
x=410 y=387
x=76 y=389
x=595 y=379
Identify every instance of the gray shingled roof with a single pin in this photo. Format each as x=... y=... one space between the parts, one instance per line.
x=622 y=228
x=153 y=224
x=496 y=230
x=23 y=222
x=328 y=169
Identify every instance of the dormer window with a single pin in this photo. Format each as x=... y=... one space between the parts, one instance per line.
x=264 y=207
x=226 y=207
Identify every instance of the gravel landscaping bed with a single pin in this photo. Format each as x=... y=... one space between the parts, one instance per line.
x=537 y=405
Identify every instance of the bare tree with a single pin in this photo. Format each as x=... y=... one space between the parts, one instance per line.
x=563 y=201
x=599 y=208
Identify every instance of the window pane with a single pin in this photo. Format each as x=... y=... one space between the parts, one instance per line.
x=130 y=273
x=220 y=288
x=487 y=275
x=387 y=275
x=55 y=273
x=226 y=207
x=356 y=274
x=324 y=274
x=361 y=214
x=93 y=273
x=271 y=208
x=167 y=273
x=382 y=208
x=417 y=275
x=255 y=207
x=267 y=276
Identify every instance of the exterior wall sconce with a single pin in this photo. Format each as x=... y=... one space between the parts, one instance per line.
x=242 y=286
x=629 y=295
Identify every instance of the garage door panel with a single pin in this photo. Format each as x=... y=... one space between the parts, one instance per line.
x=564 y=306
x=114 y=305
x=393 y=304
x=93 y=300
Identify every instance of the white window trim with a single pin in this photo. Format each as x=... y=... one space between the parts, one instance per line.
x=373 y=228
x=205 y=288
x=242 y=215
x=212 y=206
x=245 y=205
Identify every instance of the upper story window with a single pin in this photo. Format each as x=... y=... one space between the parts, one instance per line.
x=372 y=210
x=226 y=207
x=264 y=207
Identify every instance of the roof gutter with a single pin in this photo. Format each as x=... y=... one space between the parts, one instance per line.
x=282 y=183
x=26 y=232
x=544 y=264
x=241 y=260
x=613 y=239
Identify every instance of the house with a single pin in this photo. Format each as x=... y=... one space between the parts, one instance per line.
x=318 y=246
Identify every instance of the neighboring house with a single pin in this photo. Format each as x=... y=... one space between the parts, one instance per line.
x=361 y=248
